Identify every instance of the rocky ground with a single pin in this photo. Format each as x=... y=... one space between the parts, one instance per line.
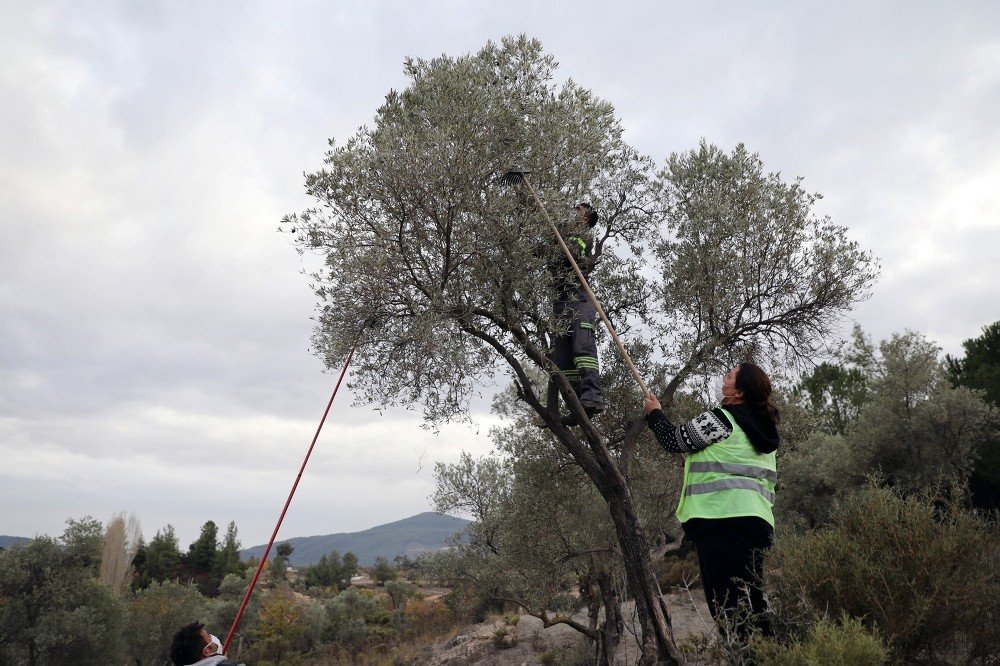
x=498 y=641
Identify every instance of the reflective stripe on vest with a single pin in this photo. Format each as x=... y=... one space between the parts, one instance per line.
x=735 y=468
x=729 y=484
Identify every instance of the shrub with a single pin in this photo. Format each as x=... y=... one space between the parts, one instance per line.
x=280 y=634
x=681 y=572
x=920 y=568
x=504 y=638
x=158 y=611
x=844 y=643
x=429 y=618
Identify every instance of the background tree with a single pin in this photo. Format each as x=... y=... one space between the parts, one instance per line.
x=158 y=561
x=836 y=394
x=280 y=631
x=279 y=565
x=352 y=618
x=155 y=613
x=918 y=429
x=332 y=571
x=348 y=567
x=400 y=592
x=979 y=369
x=53 y=607
x=539 y=533
x=227 y=558
x=222 y=611
x=121 y=542
x=200 y=559
x=433 y=265
x=383 y=571
x=201 y=553
x=915 y=428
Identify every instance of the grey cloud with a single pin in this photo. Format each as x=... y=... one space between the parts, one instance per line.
x=150 y=316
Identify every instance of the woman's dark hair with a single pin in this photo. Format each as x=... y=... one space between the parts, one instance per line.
x=756 y=388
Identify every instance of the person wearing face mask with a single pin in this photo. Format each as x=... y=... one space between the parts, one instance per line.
x=729 y=479
x=193 y=645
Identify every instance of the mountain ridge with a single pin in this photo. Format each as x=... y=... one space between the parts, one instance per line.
x=6 y=541
x=422 y=533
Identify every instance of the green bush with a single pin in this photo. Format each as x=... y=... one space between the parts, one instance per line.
x=504 y=638
x=844 y=643
x=681 y=572
x=920 y=568
x=547 y=658
x=156 y=613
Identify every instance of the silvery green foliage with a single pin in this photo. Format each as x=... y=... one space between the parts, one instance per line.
x=539 y=527
x=434 y=267
x=747 y=268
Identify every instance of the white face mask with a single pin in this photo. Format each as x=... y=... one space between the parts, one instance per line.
x=218 y=643
x=717 y=385
x=720 y=385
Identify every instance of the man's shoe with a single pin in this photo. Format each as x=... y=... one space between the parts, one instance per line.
x=568 y=420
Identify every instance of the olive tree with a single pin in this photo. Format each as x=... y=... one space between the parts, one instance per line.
x=539 y=529
x=438 y=273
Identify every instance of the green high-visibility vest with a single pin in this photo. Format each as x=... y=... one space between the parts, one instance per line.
x=728 y=479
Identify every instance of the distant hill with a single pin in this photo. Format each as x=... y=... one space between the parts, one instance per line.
x=8 y=541
x=422 y=533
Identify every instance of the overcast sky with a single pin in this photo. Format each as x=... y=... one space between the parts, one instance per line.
x=154 y=326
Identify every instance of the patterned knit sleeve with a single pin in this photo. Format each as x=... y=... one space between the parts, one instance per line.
x=705 y=429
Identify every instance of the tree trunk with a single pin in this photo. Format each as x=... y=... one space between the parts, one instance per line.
x=657 y=634
x=597 y=462
x=614 y=624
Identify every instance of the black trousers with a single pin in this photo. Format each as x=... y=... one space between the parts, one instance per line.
x=575 y=350
x=731 y=557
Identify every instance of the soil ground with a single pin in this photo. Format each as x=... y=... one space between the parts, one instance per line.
x=528 y=643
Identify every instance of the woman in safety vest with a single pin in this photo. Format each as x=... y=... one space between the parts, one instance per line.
x=729 y=477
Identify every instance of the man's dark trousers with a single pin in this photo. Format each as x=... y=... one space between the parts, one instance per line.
x=576 y=348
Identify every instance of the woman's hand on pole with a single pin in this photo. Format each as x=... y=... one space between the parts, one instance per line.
x=650 y=402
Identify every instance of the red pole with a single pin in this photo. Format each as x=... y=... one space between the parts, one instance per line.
x=263 y=558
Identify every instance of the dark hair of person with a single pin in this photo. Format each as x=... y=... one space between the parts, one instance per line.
x=756 y=388
x=589 y=213
x=187 y=645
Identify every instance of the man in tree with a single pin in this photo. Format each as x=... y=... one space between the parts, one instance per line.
x=575 y=351
x=192 y=644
